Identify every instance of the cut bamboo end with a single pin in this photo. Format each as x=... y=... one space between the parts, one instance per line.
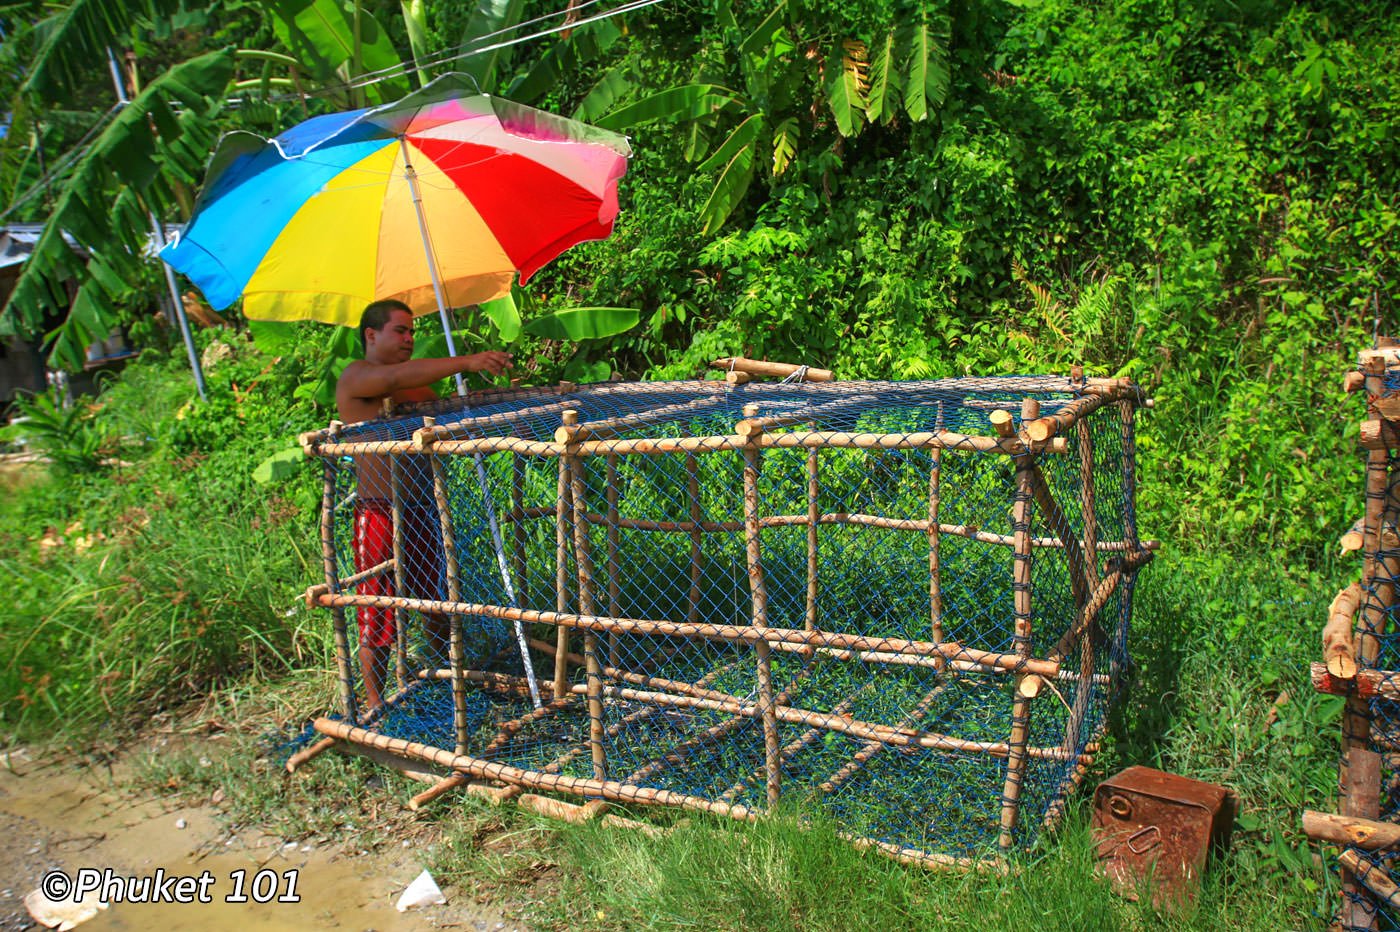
x=440 y=788
x=1003 y=422
x=737 y=378
x=1030 y=686
x=1353 y=381
x=1042 y=429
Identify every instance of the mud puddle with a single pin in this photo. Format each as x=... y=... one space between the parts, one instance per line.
x=58 y=816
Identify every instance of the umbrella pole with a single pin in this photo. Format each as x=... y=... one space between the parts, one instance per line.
x=489 y=506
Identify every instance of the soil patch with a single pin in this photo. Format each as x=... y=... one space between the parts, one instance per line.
x=58 y=815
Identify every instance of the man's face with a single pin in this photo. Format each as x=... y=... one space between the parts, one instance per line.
x=393 y=342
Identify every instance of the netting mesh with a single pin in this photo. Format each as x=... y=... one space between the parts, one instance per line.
x=903 y=603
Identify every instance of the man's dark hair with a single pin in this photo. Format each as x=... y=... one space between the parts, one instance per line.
x=377 y=314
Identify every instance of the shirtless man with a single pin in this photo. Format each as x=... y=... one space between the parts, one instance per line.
x=389 y=373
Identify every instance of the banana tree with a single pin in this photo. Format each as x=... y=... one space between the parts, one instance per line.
x=783 y=61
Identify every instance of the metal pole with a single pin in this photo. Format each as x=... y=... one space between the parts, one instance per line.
x=177 y=309
x=488 y=505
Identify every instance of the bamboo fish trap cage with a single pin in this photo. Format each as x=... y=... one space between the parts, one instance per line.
x=902 y=603
x=1361 y=662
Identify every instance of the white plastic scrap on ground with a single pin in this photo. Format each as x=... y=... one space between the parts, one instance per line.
x=64 y=914
x=422 y=892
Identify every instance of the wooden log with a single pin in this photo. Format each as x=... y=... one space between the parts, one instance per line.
x=1355 y=536
x=349 y=582
x=1364 y=684
x=821 y=407
x=927 y=860
x=1352 y=381
x=793 y=748
x=558 y=809
x=680 y=754
x=934 y=531
x=344 y=666
x=1352 y=831
x=779 y=370
x=442 y=787
x=1338 y=650
x=737 y=378
x=717 y=632
x=469 y=428
x=846 y=440
x=1374 y=878
x=490 y=770
x=1088 y=509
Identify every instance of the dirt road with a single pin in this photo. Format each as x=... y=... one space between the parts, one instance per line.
x=59 y=816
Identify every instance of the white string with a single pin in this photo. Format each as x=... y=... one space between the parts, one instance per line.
x=798 y=375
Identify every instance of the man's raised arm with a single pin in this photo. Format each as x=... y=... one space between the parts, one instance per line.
x=365 y=380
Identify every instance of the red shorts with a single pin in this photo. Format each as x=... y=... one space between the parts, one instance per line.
x=374 y=543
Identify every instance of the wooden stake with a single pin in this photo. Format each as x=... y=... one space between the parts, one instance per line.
x=307 y=753
x=344 y=665
x=456 y=649
x=1375 y=878
x=1088 y=509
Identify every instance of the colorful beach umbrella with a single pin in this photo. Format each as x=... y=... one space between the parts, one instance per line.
x=439 y=200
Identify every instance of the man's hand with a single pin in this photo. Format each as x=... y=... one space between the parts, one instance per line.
x=492 y=361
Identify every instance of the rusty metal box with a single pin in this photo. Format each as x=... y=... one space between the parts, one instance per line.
x=1156 y=829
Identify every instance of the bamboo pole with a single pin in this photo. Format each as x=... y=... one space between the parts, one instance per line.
x=456 y=651
x=868 y=731
x=871 y=748
x=348 y=582
x=795 y=747
x=935 y=569
x=400 y=573
x=1040 y=429
x=309 y=752
x=779 y=370
x=753 y=547
x=344 y=666
x=1021 y=638
x=717 y=632
x=697 y=553
x=519 y=567
x=1088 y=511
x=682 y=752
x=614 y=545
x=583 y=564
x=564 y=511
x=661 y=446
x=615 y=426
x=490 y=770
x=813 y=516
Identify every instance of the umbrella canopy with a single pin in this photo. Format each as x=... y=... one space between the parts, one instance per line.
x=322 y=220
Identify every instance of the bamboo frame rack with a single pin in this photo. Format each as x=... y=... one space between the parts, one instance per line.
x=1360 y=662
x=907 y=602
